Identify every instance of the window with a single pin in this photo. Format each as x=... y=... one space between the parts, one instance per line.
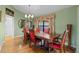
x=43 y=25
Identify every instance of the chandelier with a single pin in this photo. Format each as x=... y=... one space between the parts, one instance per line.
x=29 y=15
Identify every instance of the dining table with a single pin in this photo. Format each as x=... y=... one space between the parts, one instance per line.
x=46 y=37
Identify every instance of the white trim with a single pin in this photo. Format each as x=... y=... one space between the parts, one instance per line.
x=73 y=46
x=19 y=36
x=1 y=44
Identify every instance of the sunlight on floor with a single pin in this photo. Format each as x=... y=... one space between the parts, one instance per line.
x=15 y=45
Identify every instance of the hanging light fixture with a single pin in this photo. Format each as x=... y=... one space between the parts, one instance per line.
x=29 y=15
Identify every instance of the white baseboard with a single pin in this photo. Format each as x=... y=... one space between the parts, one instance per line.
x=1 y=44
x=19 y=36
x=73 y=46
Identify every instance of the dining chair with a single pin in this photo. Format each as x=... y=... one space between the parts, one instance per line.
x=37 y=30
x=33 y=40
x=25 y=36
x=59 y=46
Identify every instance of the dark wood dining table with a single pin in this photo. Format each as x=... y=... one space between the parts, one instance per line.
x=46 y=37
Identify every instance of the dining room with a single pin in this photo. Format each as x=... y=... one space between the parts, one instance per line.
x=46 y=30
x=41 y=29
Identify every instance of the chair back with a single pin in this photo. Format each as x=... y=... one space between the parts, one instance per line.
x=25 y=35
x=37 y=30
x=63 y=41
x=32 y=36
x=64 y=37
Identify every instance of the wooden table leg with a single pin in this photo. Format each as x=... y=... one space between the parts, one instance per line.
x=49 y=49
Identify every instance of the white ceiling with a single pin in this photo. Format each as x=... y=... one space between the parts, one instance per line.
x=39 y=10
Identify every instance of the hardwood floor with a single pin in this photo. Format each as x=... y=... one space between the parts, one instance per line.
x=16 y=46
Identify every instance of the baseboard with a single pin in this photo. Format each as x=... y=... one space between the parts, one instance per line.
x=73 y=49
x=19 y=36
x=73 y=46
x=1 y=42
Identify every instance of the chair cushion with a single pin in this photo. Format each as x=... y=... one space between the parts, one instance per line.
x=57 y=46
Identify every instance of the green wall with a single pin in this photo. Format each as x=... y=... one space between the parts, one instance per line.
x=18 y=15
x=64 y=17
x=2 y=24
x=77 y=50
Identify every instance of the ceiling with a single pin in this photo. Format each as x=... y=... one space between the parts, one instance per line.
x=38 y=10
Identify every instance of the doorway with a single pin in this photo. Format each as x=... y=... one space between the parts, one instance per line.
x=9 y=27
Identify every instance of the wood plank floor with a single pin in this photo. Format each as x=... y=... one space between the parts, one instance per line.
x=16 y=46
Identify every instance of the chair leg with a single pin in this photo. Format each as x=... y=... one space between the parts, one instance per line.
x=49 y=49
x=62 y=50
x=30 y=45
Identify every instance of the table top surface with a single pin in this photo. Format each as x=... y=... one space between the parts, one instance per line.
x=45 y=35
x=42 y=34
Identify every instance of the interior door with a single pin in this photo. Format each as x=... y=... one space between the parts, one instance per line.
x=9 y=26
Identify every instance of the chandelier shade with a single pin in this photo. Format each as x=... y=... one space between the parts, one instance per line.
x=29 y=15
